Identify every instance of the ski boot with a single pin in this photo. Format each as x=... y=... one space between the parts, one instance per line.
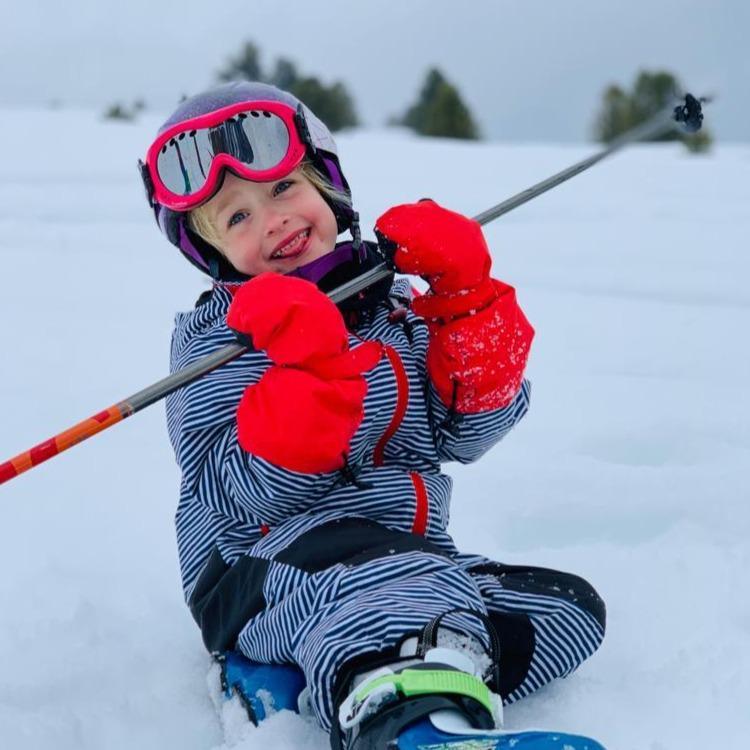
x=435 y=703
x=263 y=689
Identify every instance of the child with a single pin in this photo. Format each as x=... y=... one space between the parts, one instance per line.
x=312 y=522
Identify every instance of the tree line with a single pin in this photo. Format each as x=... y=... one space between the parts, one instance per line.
x=439 y=109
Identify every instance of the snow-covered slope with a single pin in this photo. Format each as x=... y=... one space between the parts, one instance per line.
x=629 y=470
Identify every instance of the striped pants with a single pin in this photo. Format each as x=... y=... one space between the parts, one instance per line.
x=342 y=597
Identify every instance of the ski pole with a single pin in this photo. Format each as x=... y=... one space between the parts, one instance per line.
x=688 y=114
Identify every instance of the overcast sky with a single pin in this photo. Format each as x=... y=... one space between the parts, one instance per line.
x=529 y=69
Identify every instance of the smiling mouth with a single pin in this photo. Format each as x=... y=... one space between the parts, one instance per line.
x=293 y=247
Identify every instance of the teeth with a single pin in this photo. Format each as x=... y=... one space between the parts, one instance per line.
x=291 y=246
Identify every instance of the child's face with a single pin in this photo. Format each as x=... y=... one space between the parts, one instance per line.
x=272 y=226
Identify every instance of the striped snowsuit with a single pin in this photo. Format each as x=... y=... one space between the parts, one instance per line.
x=331 y=571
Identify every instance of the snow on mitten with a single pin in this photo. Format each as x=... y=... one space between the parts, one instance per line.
x=479 y=337
x=476 y=363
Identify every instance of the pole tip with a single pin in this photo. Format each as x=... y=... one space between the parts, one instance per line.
x=690 y=113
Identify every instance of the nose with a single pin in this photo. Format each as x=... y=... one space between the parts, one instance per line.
x=275 y=221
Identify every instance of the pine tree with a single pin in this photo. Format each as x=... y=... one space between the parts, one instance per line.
x=245 y=66
x=651 y=93
x=284 y=74
x=332 y=104
x=440 y=111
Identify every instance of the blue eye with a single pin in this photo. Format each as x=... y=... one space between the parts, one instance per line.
x=236 y=218
x=282 y=186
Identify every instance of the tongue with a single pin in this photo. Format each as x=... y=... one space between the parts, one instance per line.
x=295 y=244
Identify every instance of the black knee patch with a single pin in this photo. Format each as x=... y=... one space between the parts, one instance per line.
x=553 y=583
x=226 y=597
x=517 y=641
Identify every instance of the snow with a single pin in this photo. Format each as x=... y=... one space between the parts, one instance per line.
x=630 y=469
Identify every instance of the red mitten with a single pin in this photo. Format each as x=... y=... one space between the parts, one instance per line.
x=479 y=337
x=448 y=250
x=305 y=409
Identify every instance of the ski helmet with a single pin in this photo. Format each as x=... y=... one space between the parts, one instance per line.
x=320 y=150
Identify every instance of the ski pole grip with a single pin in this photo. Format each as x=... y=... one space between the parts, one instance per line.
x=245 y=339
x=690 y=114
x=387 y=249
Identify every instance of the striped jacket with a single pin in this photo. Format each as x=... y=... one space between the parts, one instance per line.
x=229 y=499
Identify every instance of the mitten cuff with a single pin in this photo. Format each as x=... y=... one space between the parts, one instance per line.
x=476 y=363
x=446 y=307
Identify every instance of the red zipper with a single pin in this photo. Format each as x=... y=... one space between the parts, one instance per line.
x=402 y=399
x=420 y=513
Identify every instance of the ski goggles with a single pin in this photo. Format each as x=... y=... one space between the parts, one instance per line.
x=259 y=141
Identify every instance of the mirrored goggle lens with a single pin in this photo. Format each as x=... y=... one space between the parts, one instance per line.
x=257 y=139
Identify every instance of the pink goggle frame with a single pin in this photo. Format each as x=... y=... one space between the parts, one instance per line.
x=256 y=140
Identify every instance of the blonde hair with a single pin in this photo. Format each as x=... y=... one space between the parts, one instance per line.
x=201 y=222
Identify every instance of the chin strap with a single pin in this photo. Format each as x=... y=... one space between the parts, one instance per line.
x=357 y=238
x=213 y=269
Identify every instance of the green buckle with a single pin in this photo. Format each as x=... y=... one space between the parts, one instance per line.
x=429 y=681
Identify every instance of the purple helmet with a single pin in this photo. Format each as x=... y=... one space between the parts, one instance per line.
x=321 y=152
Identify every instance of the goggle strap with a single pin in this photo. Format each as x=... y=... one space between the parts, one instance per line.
x=213 y=268
x=303 y=131
x=148 y=183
